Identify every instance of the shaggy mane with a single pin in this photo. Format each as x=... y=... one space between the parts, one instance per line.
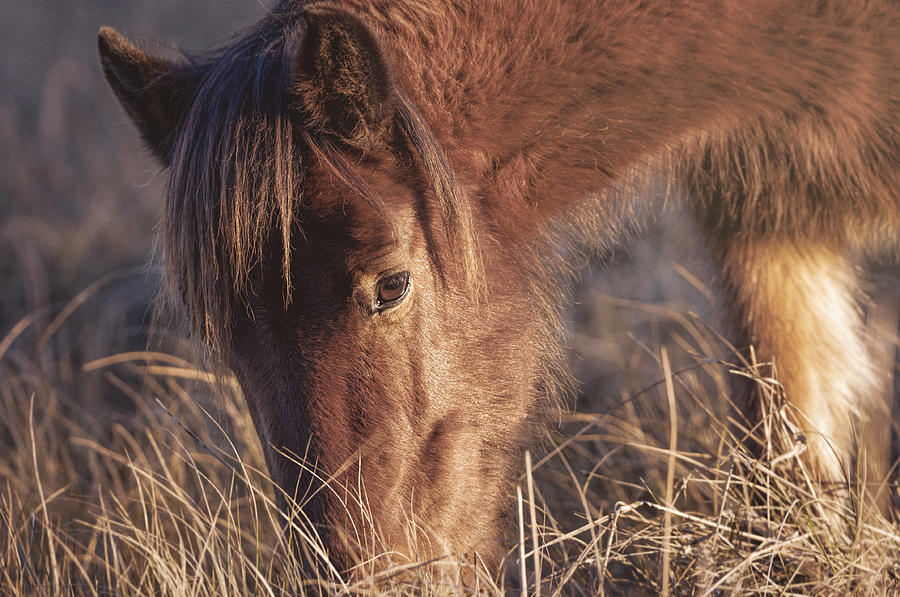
x=237 y=169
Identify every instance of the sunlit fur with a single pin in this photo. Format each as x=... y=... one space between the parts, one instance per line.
x=469 y=141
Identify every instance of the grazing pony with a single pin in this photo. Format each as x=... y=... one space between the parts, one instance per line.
x=366 y=201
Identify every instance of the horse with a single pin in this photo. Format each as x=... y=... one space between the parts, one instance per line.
x=368 y=204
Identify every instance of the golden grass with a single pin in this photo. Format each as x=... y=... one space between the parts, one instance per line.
x=154 y=484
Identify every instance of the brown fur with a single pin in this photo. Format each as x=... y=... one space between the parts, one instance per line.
x=457 y=139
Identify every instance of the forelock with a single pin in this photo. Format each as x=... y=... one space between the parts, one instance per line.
x=236 y=173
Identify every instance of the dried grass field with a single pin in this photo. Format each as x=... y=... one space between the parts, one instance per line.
x=125 y=470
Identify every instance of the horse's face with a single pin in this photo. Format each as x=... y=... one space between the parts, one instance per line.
x=388 y=393
x=383 y=369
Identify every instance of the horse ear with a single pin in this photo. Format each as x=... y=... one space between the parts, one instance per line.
x=148 y=87
x=340 y=81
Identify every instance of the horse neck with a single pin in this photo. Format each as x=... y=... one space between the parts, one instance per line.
x=579 y=91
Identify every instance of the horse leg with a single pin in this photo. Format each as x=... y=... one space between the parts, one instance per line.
x=798 y=303
x=882 y=318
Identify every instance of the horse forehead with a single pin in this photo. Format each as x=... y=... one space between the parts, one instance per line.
x=361 y=232
x=392 y=231
x=386 y=220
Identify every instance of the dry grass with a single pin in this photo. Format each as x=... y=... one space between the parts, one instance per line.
x=163 y=491
x=126 y=472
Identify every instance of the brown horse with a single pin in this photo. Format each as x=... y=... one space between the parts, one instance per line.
x=366 y=200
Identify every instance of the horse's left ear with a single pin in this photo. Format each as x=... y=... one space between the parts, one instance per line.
x=341 y=82
x=149 y=88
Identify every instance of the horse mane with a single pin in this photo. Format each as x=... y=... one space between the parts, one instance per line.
x=236 y=172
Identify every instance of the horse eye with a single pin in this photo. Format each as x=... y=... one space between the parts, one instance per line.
x=392 y=288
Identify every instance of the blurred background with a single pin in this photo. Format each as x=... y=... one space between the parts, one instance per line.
x=78 y=193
